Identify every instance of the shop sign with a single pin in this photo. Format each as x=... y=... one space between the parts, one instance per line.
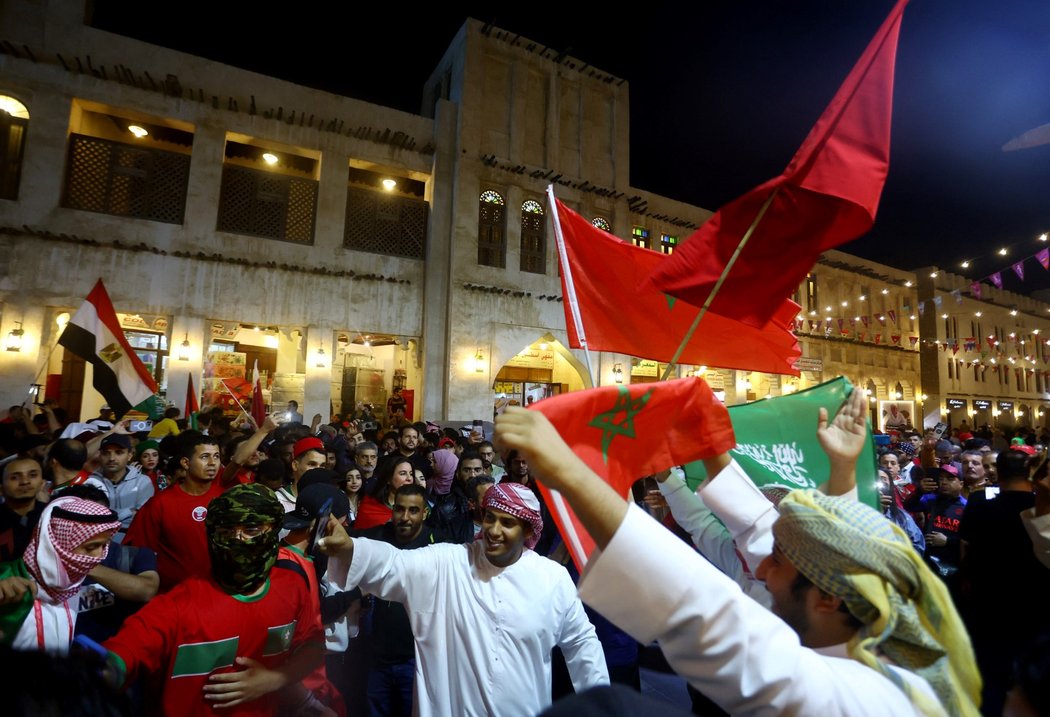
x=954 y=403
x=981 y=404
x=1006 y=405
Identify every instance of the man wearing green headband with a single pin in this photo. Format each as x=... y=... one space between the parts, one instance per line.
x=238 y=636
x=860 y=626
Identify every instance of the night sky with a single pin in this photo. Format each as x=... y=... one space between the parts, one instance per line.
x=722 y=96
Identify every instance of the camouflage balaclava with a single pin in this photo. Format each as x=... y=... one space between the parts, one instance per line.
x=241 y=566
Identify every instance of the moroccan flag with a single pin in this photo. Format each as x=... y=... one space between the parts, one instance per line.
x=258 y=407
x=616 y=316
x=627 y=432
x=94 y=334
x=191 y=409
x=828 y=195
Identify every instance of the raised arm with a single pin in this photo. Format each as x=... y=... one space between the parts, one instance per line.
x=597 y=505
x=843 y=439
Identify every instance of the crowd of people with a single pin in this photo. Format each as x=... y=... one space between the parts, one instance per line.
x=340 y=569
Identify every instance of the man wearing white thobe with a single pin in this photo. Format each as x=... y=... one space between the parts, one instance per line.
x=485 y=615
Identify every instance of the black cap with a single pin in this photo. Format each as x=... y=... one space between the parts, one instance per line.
x=318 y=476
x=309 y=503
x=117 y=439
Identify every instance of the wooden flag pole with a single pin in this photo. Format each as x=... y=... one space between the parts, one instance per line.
x=718 y=284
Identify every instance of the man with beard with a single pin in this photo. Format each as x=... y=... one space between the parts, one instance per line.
x=260 y=634
x=494 y=604
x=127 y=486
x=391 y=644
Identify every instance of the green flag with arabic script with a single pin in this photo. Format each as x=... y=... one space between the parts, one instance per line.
x=777 y=442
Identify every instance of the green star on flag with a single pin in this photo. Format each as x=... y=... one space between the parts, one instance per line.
x=610 y=428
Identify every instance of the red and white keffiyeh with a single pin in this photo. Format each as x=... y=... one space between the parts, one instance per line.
x=519 y=501
x=51 y=556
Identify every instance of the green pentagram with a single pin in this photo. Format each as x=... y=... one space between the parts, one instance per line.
x=610 y=428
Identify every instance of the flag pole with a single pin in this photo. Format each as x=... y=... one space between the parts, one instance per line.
x=566 y=271
x=235 y=399
x=718 y=284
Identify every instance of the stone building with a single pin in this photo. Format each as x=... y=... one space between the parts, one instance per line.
x=348 y=248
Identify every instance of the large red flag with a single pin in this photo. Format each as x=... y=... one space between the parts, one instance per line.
x=828 y=195
x=618 y=317
x=626 y=432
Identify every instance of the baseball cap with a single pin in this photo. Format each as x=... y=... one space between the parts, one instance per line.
x=310 y=443
x=309 y=503
x=117 y=439
x=318 y=476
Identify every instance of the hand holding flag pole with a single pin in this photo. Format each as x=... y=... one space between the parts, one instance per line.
x=718 y=284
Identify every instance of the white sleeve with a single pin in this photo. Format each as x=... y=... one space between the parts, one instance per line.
x=579 y=643
x=709 y=536
x=384 y=571
x=748 y=514
x=1038 y=528
x=735 y=651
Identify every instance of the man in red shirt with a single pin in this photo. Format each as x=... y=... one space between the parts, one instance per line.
x=241 y=638
x=171 y=523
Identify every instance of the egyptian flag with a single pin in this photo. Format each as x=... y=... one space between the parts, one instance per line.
x=94 y=334
x=192 y=408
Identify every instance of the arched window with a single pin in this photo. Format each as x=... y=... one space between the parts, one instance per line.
x=14 y=118
x=533 y=238
x=492 y=218
x=602 y=223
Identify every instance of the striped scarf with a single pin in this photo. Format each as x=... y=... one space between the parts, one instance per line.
x=851 y=551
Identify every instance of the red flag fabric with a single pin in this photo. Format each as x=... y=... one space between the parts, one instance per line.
x=191 y=407
x=893 y=315
x=95 y=335
x=618 y=317
x=625 y=432
x=258 y=407
x=828 y=195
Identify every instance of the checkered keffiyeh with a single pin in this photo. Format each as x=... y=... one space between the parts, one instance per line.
x=519 y=501
x=851 y=551
x=51 y=556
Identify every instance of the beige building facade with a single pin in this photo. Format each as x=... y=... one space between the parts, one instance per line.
x=351 y=249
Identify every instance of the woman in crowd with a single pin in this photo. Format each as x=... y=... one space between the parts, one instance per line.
x=377 y=507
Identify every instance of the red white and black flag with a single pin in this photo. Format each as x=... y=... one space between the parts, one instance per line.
x=94 y=334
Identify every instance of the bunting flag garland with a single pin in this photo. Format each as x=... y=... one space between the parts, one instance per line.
x=865 y=319
x=896 y=339
x=955 y=348
x=971 y=343
x=882 y=319
x=958 y=296
x=861 y=336
x=878 y=339
x=1019 y=269
x=997 y=279
x=991 y=342
x=975 y=289
x=1044 y=258
x=893 y=315
x=922 y=308
x=853 y=323
x=842 y=322
x=914 y=340
x=937 y=301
